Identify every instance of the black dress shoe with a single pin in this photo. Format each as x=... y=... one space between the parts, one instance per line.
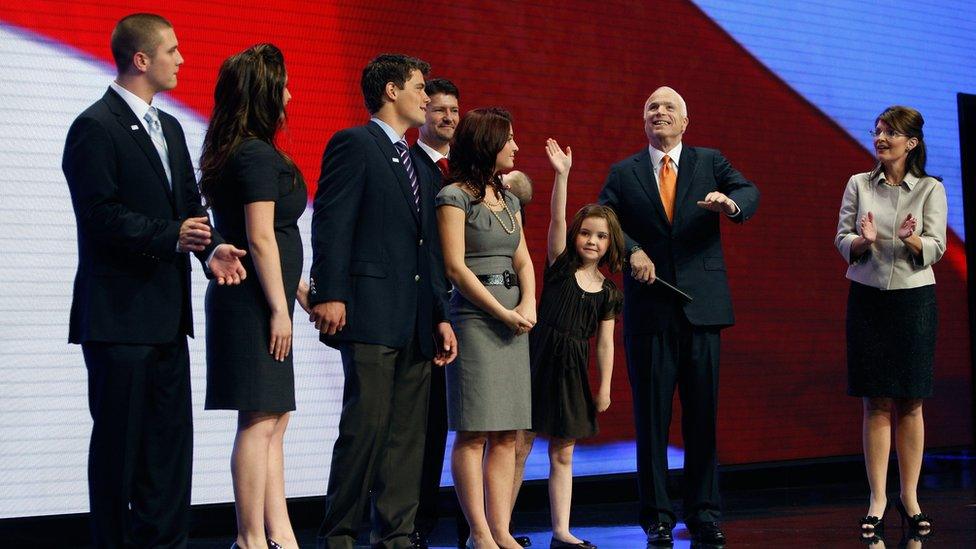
x=419 y=540
x=659 y=534
x=524 y=541
x=707 y=532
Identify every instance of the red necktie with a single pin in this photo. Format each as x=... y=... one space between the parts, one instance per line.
x=442 y=164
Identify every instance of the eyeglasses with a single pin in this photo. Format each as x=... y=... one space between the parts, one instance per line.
x=887 y=133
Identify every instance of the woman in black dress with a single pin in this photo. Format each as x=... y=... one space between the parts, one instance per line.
x=257 y=195
x=892 y=229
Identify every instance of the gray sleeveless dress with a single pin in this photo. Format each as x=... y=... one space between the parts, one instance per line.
x=489 y=385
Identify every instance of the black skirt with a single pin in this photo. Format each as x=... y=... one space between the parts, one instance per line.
x=890 y=341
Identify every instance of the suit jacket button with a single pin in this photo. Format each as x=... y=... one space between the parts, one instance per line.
x=420 y=242
x=416 y=278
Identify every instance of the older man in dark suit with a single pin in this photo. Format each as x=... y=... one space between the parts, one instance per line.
x=379 y=296
x=138 y=212
x=670 y=199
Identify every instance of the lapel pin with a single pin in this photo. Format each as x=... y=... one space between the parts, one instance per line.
x=397 y=160
x=134 y=127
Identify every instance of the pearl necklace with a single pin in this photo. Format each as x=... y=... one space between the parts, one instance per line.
x=504 y=203
x=510 y=217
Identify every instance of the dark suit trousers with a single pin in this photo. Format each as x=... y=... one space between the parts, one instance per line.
x=685 y=356
x=436 y=442
x=380 y=448
x=141 y=454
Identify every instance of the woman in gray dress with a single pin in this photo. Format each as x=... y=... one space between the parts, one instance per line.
x=493 y=307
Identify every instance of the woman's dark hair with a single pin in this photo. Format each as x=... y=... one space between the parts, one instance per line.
x=480 y=136
x=249 y=103
x=613 y=259
x=908 y=121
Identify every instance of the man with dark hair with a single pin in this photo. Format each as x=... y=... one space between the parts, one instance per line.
x=670 y=199
x=379 y=295
x=442 y=118
x=138 y=212
x=432 y=148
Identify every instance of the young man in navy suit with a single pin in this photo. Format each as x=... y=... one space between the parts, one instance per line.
x=670 y=199
x=138 y=213
x=379 y=295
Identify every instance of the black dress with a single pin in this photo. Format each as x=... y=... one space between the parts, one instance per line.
x=559 y=347
x=241 y=374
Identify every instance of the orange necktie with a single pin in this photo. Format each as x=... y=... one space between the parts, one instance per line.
x=667 y=181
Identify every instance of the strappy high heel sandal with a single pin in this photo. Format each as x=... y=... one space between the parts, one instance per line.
x=915 y=521
x=872 y=524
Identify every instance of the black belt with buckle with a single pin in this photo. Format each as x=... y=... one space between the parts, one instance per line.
x=507 y=279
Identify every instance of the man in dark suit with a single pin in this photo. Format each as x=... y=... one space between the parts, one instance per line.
x=379 y=296
x=670 y=200
x=138 y=213
x=432 y=148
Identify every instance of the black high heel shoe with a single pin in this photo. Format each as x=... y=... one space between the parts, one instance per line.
x=872 y=524
x=915 y=521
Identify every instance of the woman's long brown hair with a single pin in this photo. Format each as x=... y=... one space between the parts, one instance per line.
x=480 y=136
x=248 y=104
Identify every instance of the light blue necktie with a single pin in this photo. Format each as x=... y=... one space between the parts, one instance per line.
x=159 y=141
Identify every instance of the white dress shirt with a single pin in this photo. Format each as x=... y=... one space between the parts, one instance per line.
x=140 y=108
x=657 y=159
x=434 y=154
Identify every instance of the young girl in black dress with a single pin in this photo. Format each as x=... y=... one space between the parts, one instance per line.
x=577 y=303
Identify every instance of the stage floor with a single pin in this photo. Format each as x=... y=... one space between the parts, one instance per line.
x=809 y=515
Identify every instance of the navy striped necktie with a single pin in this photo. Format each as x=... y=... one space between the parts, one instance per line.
x=401 y=147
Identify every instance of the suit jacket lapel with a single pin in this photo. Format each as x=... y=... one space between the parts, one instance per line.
x=642 y=171
x=127 y=119
x=386 y=147
x=175 y=150
x=687 y=168
x=428 y=187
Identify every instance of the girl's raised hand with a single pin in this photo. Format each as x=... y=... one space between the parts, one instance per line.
x=561 y=161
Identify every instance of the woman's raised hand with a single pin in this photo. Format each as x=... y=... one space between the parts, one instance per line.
x=561 y=160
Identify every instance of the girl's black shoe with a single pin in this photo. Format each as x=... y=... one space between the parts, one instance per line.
x=556 y=544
